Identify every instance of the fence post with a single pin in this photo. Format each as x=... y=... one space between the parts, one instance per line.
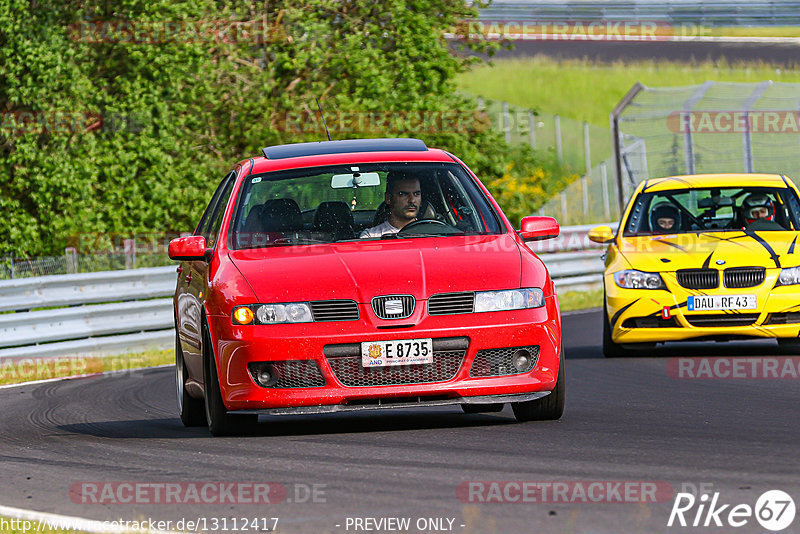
x=506 y=123
x=587 y=152
x=688 y=146
x=558 y=138
x=130 y=253
x=606 y=199
x=532 y=128
x=72 y=260
x=747 y=144
x=564 y=206
x=11 y=268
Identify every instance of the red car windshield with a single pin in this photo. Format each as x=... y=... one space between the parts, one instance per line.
x=359 y=202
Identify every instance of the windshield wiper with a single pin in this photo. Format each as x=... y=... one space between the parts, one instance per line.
x=297 y=241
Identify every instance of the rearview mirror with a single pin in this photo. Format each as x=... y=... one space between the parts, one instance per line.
x=601 y=234
x=538 y=228
x=189 y=248
x=356 y=179
x=715 y=202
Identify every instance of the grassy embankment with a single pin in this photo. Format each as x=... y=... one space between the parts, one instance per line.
x=584 y=90
x=28 y=370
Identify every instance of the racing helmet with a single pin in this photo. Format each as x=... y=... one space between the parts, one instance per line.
x=665 y=211
x=755 y=203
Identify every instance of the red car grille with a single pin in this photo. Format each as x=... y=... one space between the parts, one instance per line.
x=334 y=310
x=345 y=362
x=393 y=306
x=451 y=303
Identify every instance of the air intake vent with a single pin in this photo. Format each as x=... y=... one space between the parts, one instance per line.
x=393 y=306
x=721 y=320
x=451 y=303
x=698 y=278
x=334 y=310
x=737 y=277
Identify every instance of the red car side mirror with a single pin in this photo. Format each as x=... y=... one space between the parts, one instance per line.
x=537 y=228
x=189 y=248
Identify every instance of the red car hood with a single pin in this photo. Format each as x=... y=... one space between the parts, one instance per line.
x=363 y=270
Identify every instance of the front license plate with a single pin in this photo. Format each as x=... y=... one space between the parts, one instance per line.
x=721 y=302
x=397 y=352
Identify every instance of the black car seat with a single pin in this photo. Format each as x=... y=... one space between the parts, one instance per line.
x=267 y=222
x=334 y=218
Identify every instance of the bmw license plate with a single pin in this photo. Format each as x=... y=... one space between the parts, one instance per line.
x=721 y=302
x=397 y=352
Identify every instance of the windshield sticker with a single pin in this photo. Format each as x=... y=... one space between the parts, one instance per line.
x=256 y=180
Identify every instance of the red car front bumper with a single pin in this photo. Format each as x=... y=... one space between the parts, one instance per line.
x=237 y=346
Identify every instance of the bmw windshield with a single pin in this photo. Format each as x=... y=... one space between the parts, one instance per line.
x=713 y=210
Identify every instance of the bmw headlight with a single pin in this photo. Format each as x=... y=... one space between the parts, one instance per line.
x=290 y=312
x=512 y=299
x=632 y=279
x=789 y=276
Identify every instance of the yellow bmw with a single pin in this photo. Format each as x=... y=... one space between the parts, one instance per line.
x=703 y=257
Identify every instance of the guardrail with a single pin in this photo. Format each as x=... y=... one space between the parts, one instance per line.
x=706 y=13
x=87 y=314
x=116 y=312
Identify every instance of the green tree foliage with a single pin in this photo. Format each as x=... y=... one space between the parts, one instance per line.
x=120 y=117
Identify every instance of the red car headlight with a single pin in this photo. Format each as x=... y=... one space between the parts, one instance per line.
x=287 y=312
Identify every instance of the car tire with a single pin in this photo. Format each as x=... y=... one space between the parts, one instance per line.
x=220 y=422
x=191 y=410
x=483 y=408
x=547 y=408
x=611 y=349
x=789 y=345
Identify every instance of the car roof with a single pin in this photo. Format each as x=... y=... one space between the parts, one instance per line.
x=344 y=152
x=714 y=180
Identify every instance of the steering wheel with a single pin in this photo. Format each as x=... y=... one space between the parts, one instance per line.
x=420 y=222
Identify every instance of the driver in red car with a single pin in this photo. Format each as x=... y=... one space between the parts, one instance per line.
x=403 y=197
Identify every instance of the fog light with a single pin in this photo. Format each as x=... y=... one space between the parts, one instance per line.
x=522 y=360
x=264 y=374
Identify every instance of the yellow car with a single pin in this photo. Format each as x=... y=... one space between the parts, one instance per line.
x=703 y=257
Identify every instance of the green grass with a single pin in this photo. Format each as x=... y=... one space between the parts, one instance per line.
x=584 y=90
x=580 y=300
x=15 y=372
x=744 y=31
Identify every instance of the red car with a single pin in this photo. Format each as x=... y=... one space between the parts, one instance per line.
x=356 y=275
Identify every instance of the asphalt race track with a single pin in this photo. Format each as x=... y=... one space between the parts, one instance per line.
x=626 y=420
x=785 y=54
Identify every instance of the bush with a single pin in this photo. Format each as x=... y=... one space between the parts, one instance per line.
x=153 y=125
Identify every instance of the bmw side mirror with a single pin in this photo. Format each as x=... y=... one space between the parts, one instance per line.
x=601 y=234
